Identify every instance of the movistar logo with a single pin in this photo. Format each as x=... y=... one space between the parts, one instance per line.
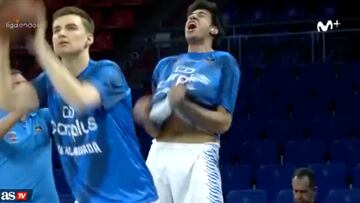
x=329 y=25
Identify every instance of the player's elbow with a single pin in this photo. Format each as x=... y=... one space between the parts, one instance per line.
x=153 y=135
x=83 y=98
x=224 y=124
x=83 y=104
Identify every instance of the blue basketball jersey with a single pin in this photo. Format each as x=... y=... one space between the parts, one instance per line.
x=98 y=148
x=25 y=157
x=211 y=78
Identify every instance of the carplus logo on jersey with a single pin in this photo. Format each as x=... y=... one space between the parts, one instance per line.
x=182 y=75
x=73 y=127
x=8 y=195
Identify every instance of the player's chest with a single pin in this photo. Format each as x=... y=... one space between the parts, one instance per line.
x=26 y=136
x=198 y=75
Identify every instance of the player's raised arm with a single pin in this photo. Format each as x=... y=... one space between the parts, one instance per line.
x=5 y=81
x=23 y=97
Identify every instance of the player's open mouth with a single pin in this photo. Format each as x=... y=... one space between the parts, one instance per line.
x=191 y=26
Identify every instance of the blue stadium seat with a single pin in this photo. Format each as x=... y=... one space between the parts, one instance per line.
x=227 y=150
x=243 y=108
x=273 y=79
x=313 y=72
x=258 y=13
x=60 y=182
x=284 y=196
x=298 y=152
x=352 y=127
x=260 y=108
x=283 y=130
x=349 y=72
x=254 y=56
x=246 y=86
x=227 y=154
x=356 y=176
x=244 y=130
x=348 y=107
x=329 y=11
x=246 y=196
x=346 y=151
x=273 y=178
x=307 y=109
x=256 y=153
x=278 y=109
x=343 y=196
x=329 y=176
x=240 y=131
x=235 y=177
x=302 y=88
x=291 y=12
x=328 y=129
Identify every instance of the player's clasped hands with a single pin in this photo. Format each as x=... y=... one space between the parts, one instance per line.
x=177 y=95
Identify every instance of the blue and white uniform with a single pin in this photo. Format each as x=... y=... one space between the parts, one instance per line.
x=189 y=173
x=98 y=148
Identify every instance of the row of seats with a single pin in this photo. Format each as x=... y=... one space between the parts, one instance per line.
x=301 y=109
x=296 y=92
x=306 y=81
x=235 y=12
x=264 y=12
x=299 y=152
x=286 y=196
x=311 y=74
x=326 y=129
x=274 y=178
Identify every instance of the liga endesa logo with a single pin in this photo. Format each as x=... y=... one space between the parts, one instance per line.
x=15 y=195
x=17 y=24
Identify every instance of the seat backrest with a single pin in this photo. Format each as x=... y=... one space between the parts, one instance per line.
x=246 y=196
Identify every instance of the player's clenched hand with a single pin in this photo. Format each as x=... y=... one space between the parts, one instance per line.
x=177 y=95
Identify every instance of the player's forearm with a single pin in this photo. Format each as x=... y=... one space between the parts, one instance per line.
x=211 y=121
x=141 y=115
x=7 y=122
x=64 y=82
x=6 y=93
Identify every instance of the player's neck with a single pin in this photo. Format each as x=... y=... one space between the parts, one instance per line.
x=76 y=63
x=200 y=47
